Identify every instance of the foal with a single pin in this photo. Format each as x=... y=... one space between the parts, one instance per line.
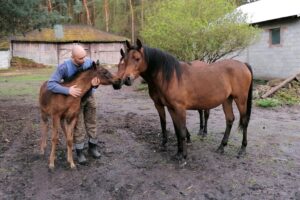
x=64 y=109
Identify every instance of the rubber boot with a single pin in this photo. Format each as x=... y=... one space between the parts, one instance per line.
x=93 y=150
x=80 y=156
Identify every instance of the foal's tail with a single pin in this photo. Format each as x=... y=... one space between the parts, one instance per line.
x=244 y=123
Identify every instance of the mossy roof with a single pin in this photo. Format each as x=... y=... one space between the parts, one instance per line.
x=69 y=33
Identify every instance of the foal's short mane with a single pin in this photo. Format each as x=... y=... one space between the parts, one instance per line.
x=158 y=60
x=71 y=78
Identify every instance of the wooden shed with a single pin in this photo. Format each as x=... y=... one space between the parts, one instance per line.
x=52 y=46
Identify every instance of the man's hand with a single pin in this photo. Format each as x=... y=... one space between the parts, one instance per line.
x=74 y=91
x=95 y=81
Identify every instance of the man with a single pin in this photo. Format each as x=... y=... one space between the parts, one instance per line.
x=87 y=118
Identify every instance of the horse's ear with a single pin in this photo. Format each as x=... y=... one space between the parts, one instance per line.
x=139 y=43
x=98 y=62
x=94 y=65
x=122 y=53
x=128 y=44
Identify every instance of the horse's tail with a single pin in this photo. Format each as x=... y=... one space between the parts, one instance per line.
x=244 y=122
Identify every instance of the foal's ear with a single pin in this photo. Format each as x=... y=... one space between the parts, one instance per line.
x=139 y=43
x=128 y=44
x=122 y=53
x=98 y=62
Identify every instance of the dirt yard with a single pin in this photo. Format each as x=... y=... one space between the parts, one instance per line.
x=132 y=165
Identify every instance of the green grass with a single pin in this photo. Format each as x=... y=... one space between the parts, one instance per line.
x=142 y=87
x=15 y=83
x=268 y=102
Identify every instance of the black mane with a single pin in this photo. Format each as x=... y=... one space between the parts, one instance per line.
x=158 y=60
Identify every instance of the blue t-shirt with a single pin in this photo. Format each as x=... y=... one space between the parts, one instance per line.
x=64 y=71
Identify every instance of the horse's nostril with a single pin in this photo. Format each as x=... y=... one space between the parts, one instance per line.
x=128 y=78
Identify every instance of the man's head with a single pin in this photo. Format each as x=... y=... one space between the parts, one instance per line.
x=78 y=54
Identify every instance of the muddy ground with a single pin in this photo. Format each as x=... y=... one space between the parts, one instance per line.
x=132 y=165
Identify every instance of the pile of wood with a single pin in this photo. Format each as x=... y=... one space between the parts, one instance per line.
x=23 y=63
x=283 y=83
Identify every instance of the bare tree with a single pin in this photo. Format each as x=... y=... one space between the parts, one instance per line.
x=49 y=4
x=88 y=18
x=132 y=20
x=106 y=11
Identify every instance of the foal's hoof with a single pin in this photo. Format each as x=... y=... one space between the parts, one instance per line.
x=73 y=166
x=220 y=149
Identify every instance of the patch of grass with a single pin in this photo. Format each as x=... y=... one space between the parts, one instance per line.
x=142 y=87
x=23 y=82
x=268 y=102
x=287 y=97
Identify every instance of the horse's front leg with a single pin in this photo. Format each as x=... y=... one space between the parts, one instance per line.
x=162 y=116
x=70 y=125
x=179 y=121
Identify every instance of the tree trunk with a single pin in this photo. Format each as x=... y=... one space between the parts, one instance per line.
x=106 y=11
x=70 y=8
x=142 y=14
x=88 y=18
x=49 y=5
x=132 y=21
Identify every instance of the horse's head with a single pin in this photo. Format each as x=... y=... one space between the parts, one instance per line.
x=105 y=77
x=133 y=62
x=121 y=70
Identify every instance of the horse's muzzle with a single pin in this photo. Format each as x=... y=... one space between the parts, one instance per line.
x=128 y=81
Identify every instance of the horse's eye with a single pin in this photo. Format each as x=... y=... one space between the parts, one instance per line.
x=137 y=59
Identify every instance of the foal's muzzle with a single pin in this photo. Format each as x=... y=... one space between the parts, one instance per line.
x=117 y=84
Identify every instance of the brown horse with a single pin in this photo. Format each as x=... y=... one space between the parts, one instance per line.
x=161 y=108
x=180 y=87
x=64 y=109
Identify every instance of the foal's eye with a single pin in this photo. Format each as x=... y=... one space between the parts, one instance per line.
x=137 y=59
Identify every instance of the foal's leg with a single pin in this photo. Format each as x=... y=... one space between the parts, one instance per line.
x=244 y=121
x=227 y=108
x=162 y=116
x=179 y=121
x=44 y=130
x=70 y=125
x=54 y=140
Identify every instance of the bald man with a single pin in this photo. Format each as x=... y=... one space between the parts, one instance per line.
x=86 y=124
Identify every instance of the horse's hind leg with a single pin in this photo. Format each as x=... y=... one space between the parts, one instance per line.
x=54 y=140
x=201 y=122
x=203 y=126
x=44 y=131
x=206 y=116
x=227 y=108
x=243 y=125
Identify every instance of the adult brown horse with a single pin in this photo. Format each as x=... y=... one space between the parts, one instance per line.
x=180 y=87
x=64 y=109
x=204 y=115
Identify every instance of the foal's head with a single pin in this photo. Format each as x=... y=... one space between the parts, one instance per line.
x=105 y=77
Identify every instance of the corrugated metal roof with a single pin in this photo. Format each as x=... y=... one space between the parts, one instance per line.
x=266 y=10
x=69 y=33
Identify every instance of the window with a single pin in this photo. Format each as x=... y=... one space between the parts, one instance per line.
x=275 y=36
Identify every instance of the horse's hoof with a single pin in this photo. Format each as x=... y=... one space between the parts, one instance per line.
x=241 y=153
x=204 y=134
x=200 y=132
x=220 y=149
